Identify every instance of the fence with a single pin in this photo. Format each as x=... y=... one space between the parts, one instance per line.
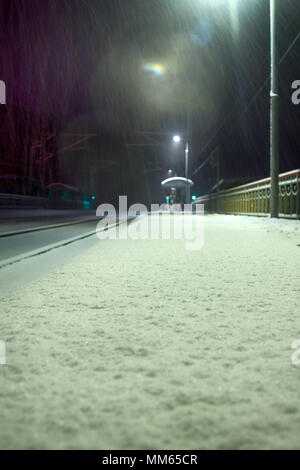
x=16 y=201
x=254 y=198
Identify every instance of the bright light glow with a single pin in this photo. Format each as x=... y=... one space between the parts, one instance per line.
x=154 y=68
x=193 y=198
x=176 y=139
x=169 y=171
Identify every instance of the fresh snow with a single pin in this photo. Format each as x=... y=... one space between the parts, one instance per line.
x=142 y=344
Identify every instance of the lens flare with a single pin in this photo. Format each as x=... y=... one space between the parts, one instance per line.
x=154 y=69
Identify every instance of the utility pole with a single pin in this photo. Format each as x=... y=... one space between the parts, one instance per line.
x=218 y=179
x=214 y=158
x=274 y=113
x=188 y=190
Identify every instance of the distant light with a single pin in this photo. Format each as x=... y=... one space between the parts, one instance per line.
x=176 y=139
x=86 y=205
x=93 y=197
x=169 y=171
x=154 y=68
x=194 y=197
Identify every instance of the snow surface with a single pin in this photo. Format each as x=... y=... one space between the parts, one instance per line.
x=144 y=345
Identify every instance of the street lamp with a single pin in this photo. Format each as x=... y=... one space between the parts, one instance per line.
x=274 y=112
x=177 y=139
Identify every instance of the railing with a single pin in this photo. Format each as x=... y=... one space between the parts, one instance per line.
x=16 y=201
x=254 y=198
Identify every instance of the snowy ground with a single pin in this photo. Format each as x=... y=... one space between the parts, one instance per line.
x=143 y=344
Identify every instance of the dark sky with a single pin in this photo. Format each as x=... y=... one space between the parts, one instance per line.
x=117 y=68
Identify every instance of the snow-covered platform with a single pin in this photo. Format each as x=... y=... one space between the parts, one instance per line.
x=142 y=344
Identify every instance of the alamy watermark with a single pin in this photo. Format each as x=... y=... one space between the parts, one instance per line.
x=2 y=353
x=162 y=222
x=295 y=358
x=296 y=93
x=2 y=92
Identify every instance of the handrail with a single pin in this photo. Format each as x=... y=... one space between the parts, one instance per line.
x=254 y=197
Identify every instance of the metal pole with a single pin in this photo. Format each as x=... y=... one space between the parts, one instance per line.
x=274 y=114
x=218 y=179
x=187 y=189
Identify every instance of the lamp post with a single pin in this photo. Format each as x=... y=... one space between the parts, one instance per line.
x=274 y=113
x=178 y=139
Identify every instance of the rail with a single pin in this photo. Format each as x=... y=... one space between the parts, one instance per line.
x=254 y=198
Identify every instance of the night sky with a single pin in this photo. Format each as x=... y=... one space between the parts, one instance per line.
x=137 y=72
